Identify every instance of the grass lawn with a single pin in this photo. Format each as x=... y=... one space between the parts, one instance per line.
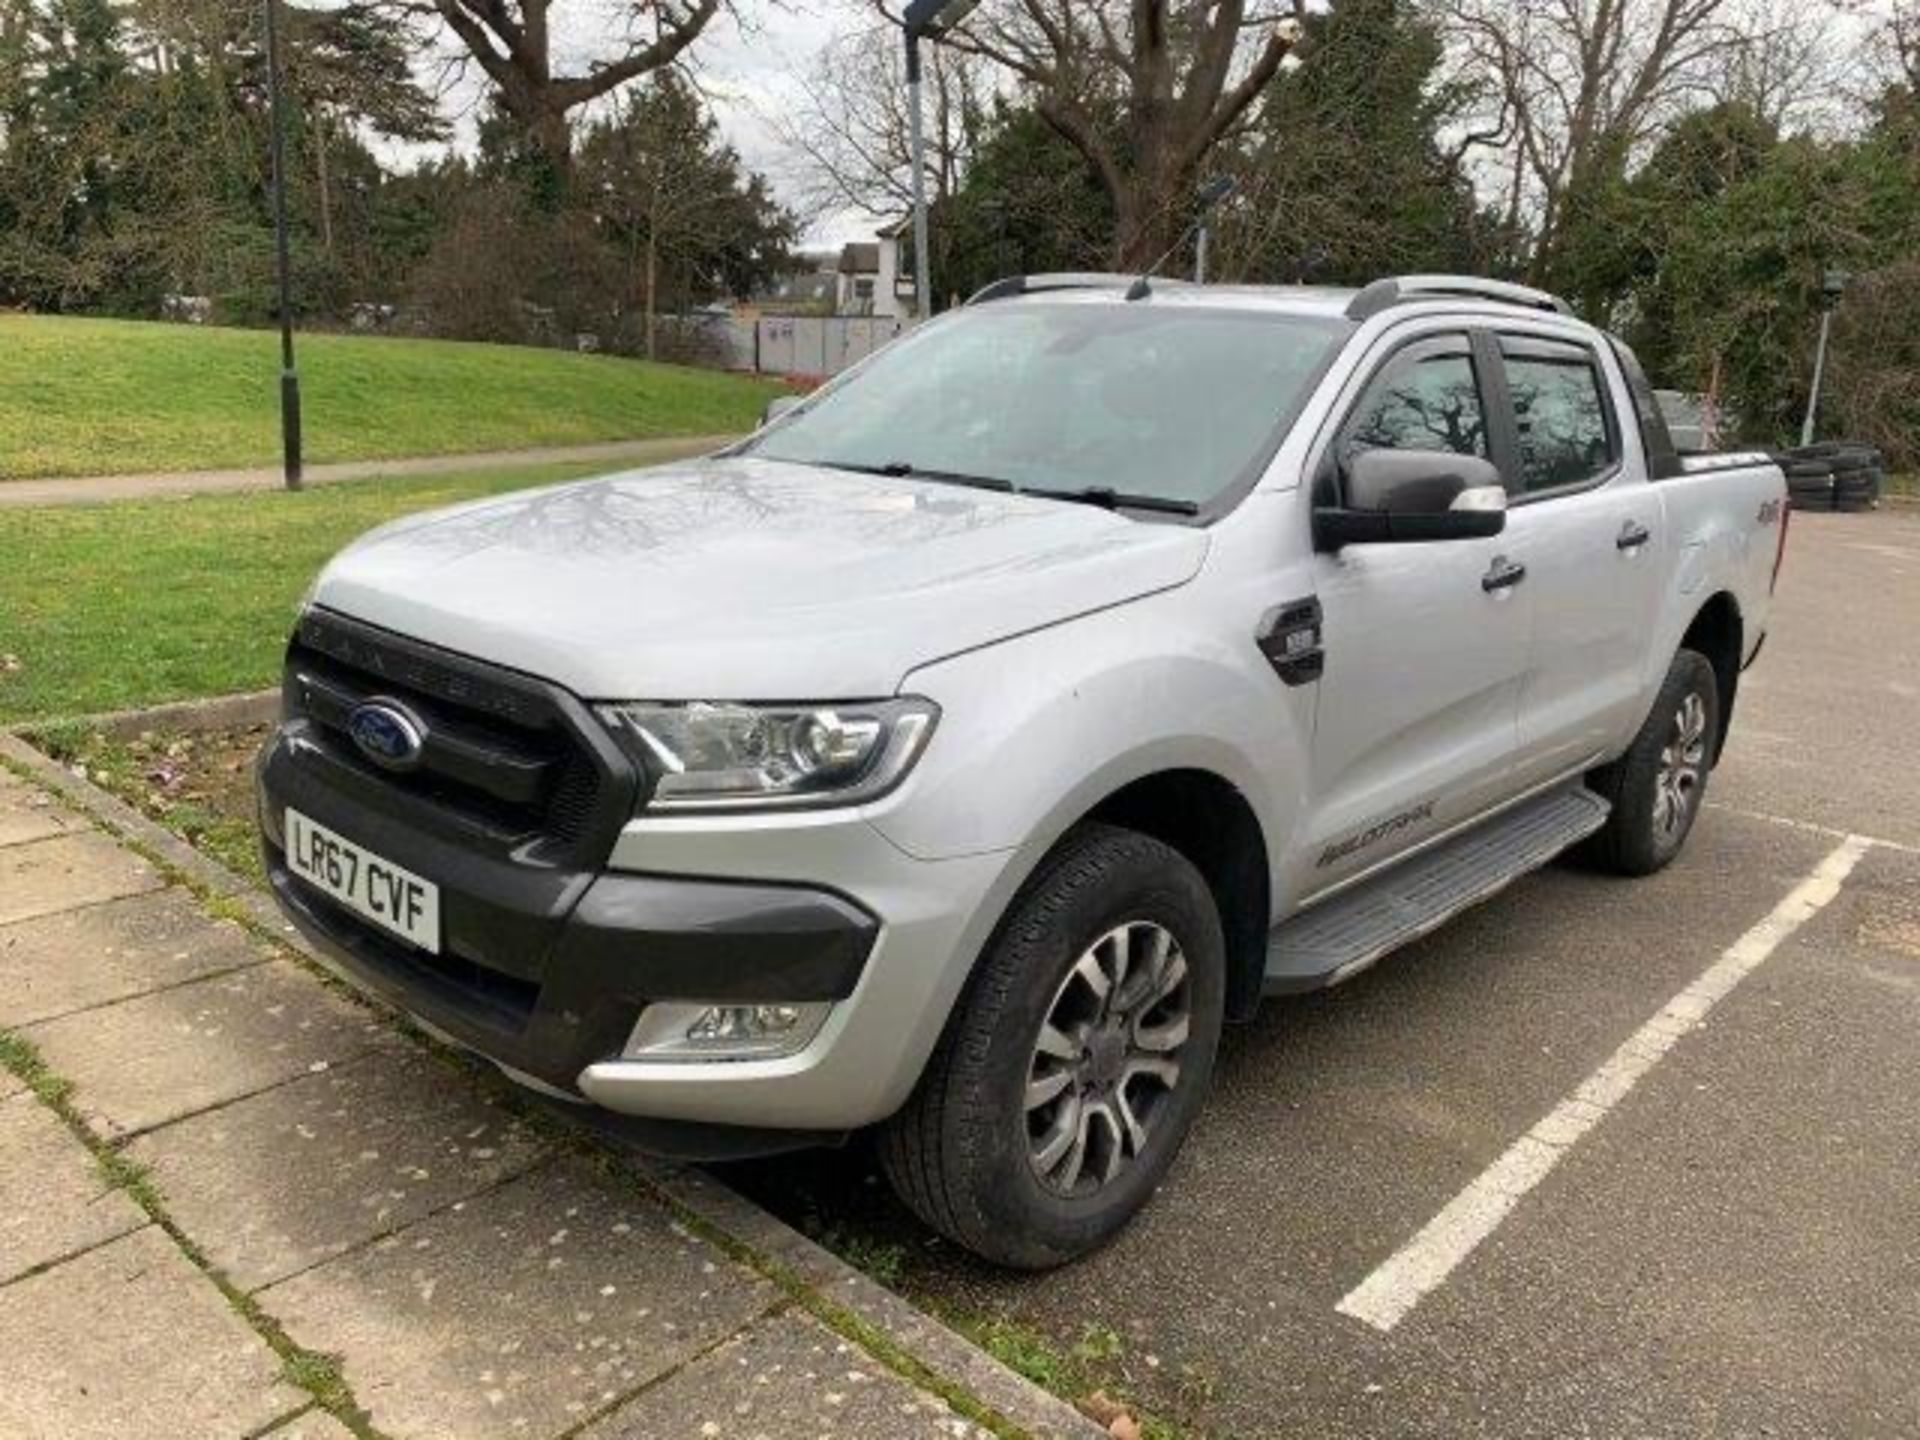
x=96 y=397
x=105 y=607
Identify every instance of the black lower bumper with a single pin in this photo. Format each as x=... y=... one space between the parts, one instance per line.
x=542 y=968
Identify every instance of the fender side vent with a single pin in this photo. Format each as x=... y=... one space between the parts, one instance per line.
x=1289 y=636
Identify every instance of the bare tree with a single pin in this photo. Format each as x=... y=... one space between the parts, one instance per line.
x=1576 y=85
x=849 y=133
x=1894 y=39
x=1789 y=63
x=513 y=43
x=1143 y=89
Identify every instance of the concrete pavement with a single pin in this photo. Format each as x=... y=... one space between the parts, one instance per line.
x=101 y=489
x=234 y=1203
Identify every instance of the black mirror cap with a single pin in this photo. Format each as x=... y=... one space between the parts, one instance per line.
x=1408 y=496
x=1423 y=482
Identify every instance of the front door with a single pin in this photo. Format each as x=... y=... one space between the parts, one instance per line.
x=1425 y=643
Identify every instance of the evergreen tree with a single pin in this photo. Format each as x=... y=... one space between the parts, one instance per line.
x=1344 y=179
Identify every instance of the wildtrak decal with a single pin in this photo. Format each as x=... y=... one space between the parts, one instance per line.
x=1373 y=834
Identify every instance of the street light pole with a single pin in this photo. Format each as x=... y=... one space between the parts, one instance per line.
x=289 y=376
x=1819 y=370
x=922 y=263
x=1833 y=285
x=924 y=19
x=1205 y=198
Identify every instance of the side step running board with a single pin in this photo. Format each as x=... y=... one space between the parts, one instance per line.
x=1341 y=936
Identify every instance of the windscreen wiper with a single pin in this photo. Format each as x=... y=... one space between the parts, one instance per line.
x=905 y=469
x=1108 y=498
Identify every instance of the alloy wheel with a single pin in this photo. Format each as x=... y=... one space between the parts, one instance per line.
x=1682 y=769
x=1107 y=1058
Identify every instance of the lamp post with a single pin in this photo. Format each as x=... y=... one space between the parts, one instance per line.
x=1208 y=196
x=289 y=377
x=1832 y=285
x=924 y=19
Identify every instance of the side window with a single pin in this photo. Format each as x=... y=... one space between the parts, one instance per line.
x=1426 y=398
x=1560 y=416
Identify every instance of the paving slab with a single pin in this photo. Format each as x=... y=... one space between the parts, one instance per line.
x=314 y=1425
x=84 y=868
x=158 y=1057
x=74 y=960
x=28 y=813
x=129 y=1339
x=786 y=1378
x=520 y=1313
x=300 y=1173
x=54 y=1202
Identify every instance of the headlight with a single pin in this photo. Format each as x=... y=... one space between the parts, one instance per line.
x=709 y=756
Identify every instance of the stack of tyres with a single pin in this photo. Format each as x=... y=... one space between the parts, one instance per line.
x=1858 y=477
x=1834 y=475
x=1809 y=483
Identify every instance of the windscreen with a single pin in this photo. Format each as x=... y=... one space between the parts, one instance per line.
x=1174 y=401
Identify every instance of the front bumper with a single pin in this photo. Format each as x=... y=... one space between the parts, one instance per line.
x=545 y=970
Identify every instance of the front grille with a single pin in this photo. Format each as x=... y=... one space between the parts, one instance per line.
x=511 y=759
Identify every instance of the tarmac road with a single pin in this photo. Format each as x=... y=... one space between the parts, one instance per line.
x=1729 y=1247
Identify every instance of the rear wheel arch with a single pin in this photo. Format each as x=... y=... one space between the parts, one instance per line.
x=1718 y=633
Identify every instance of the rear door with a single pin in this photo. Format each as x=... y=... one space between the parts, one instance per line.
x=1425 y=647
x=1590 y=523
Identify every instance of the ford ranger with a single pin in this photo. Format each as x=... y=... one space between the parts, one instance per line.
x=955 y=754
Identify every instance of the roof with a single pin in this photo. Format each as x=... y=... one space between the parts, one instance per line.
x=860 y=257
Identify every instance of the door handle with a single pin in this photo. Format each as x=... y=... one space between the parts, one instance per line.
x=1503 y=574
x=1632 y=536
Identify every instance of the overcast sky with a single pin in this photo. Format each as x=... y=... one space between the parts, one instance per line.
x=749 y=71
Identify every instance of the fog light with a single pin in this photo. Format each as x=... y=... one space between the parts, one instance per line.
x=682 y=1030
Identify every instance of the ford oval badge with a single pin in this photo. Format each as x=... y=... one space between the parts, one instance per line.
x=387 y=734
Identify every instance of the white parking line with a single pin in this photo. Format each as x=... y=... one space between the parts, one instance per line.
x=1810 y=828
x=1384 y=1298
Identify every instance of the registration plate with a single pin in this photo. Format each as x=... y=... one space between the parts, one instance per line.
x=389 y=895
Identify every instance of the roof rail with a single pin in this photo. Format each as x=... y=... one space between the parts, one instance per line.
x=1062 y=280
x=1402 y=289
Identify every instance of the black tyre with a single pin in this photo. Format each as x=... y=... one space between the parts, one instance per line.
x=1075 y=1061
x=1656 y=787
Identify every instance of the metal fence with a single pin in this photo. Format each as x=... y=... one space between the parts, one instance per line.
x=810 y=345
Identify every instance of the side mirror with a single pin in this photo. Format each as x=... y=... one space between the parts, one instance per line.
x=1410 y=495
x=778 y=406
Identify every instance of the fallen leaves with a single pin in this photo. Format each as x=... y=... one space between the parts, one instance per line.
x=1105 y=1411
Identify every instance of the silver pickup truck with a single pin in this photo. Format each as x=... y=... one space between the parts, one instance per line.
x=958 y=752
